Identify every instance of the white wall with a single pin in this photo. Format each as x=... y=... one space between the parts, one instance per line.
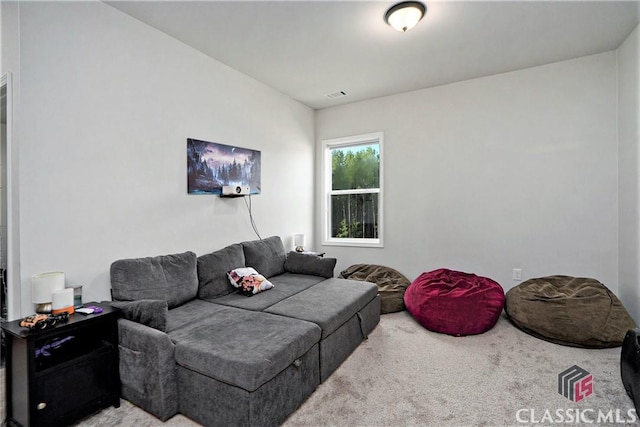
x=10 y=65
x=107 y=104
x=512 y=170
x=629 y=176
x=3 y=195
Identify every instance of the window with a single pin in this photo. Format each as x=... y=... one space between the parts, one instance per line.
x=353 y=190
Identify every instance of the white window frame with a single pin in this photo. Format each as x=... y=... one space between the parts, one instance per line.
x=350 y=141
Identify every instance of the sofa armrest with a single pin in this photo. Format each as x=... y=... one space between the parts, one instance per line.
x=148 y=370
x=152 y=313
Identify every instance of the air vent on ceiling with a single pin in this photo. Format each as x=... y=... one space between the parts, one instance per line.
x=338 y=94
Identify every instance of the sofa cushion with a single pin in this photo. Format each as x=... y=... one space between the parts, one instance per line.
x=267 y=255
x=152 y=313
x=328 y=304
x=248 y=281
x=301 y=263
x=187 y=314
x=213 y=268
x=298 y=282
x=172 y=278
x=285 y=285
x=241 y=347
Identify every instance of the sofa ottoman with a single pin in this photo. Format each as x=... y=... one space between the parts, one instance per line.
x=346 y=311
x=256 y=380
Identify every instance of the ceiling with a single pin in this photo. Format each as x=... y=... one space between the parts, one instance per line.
x=309 y=49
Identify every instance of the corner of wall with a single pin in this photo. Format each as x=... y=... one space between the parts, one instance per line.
x=628 y=123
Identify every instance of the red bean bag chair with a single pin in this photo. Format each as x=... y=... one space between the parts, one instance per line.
x=454 y=303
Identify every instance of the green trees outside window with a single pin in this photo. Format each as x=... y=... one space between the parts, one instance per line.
x=355 y=187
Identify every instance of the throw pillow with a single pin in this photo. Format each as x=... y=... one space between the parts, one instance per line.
x=302 y=263
x=266 y=255
x=248 y=281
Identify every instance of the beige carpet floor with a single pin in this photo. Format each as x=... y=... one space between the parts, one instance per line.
x=405 y=375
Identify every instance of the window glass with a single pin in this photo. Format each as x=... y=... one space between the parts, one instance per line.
x=353 y=202
x=354 y=216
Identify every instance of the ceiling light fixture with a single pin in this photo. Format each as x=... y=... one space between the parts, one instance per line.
x=404 y=16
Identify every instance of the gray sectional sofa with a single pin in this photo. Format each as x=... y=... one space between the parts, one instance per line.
x=190 y=343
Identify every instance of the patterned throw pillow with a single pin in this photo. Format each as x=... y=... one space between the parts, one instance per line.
x=248 y=281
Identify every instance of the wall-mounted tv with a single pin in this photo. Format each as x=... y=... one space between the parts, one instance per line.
x=211 y=165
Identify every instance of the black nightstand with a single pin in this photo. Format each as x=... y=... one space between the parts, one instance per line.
x=59 y=375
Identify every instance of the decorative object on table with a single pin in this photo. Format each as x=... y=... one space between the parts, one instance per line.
x=37 y=321
x=567 y=310
x=62 y=301
x=92 y=309
x=42 y=288
x=77 y=296
x=299 y=242
x=391 y=284
x=42 y=321
x=454 y=302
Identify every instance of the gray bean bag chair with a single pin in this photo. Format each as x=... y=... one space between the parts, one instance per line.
x=572 y=311
x=391 y=284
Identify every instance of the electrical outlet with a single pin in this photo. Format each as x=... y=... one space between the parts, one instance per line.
x=517 y=274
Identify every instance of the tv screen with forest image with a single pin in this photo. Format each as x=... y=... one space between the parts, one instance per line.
x=211 y=165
